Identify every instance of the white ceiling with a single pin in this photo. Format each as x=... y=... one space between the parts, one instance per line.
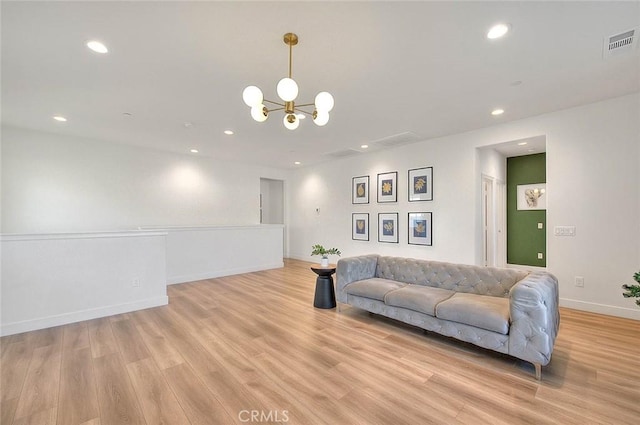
x=393 y=67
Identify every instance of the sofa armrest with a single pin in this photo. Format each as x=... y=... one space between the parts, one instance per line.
x=535 y=317
x=353 y=269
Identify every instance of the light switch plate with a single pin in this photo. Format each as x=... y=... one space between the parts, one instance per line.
x=564 y=230
x=540 y=226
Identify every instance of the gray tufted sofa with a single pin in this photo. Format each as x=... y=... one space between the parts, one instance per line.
x=506 y=310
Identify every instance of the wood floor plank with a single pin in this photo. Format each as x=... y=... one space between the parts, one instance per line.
x=44 y=337
x=75 y=336
x=191 y=350
x=78 y=401
x=116 y=396
x=8 y=410
x=15 y=363
x=129 y=341
x=159 y=405
x=41 y=384
x=163 y=352
x=199 y=404
x=46 y=417
x=101 y=337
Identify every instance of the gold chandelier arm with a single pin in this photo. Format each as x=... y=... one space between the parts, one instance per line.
x=276 y=109
x=305 y=112
x=306 y=104
x=275 y=103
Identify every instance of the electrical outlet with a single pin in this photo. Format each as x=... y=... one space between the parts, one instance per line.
x=540 y=256
x=135 y=283
x=579 y=281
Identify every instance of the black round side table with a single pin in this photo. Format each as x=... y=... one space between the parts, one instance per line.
x=325 y=294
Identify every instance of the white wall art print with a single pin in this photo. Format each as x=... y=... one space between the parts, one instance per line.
x=532 y=196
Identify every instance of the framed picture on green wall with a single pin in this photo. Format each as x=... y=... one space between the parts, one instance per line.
x=532 y=196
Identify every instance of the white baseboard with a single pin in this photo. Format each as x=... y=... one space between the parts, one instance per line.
x=627 y=313
x=299 y=257
x=79 y=316
x=171 y=280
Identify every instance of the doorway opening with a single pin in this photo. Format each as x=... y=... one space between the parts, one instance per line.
x=496 y=213
x=271 y=201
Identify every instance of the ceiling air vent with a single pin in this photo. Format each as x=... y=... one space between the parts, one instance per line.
x=620 y=43
x=344 y=153
x=396 y=140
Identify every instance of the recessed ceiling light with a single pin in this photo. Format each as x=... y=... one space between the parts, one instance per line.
x=187 y=124
x=301 y=116
x=97 y=47
x=297 y=162
x=59 y=118
x=228 y=132
x=522 y=143
x=364 y=146
x=497 y=112
x=194 y=150
x=497 y=31
x=531 y=150
x=515 y=83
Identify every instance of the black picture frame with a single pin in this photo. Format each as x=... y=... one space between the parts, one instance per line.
x=360 y=226
x=388 y=227
x=387 y=187
x=420 y=184
x=360 y=190
x=420 y=228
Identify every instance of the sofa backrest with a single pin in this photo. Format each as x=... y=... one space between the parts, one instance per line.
x=455 y=277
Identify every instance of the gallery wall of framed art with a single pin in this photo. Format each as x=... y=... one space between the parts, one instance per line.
x=390 y=226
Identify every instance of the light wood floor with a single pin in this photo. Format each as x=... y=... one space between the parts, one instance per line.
x=225 y=347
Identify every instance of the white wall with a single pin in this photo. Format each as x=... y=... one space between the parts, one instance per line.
x=53 y=183
x=592 y=179
x=195 y=253
x=49 y=280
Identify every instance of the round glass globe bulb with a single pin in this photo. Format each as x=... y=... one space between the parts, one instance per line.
x=252 y=96
x=258 y=113
x=321 y=118
x=324 y=101
x=497 y=31
x=287 y=89
x=295 y=122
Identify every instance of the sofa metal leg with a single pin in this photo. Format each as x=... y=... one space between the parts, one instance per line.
x=339 y=307
x=538 y=371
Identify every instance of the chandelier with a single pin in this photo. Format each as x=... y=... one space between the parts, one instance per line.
x=287 y=90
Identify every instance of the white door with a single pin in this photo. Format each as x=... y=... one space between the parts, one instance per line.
x=488 y=236
x=501 y=224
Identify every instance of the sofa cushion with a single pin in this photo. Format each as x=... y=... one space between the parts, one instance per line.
x=418 y=298
x=374 y=288
x=482 y=311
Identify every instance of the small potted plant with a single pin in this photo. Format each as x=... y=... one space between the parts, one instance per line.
x=632 y=291
x=320 y=250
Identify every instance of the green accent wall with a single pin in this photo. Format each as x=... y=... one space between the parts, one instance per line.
x=524 y=239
